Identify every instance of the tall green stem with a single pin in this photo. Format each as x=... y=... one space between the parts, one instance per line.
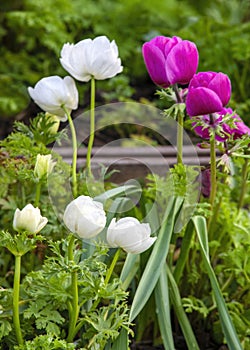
x=92 y=127
x=180 y=138
x=38 y=194
x=108 y=275
x=213 y=170
x=180 y=120
x=16 y=291
x=74 y=306
x=112 y=266
x=244 y=184
x=74 y=155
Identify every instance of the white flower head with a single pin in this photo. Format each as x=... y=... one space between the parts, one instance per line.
x=53 y=94
x=44 y=165
x=129 y=234
x=29 y=219
x=85 y=217
x=97 y=58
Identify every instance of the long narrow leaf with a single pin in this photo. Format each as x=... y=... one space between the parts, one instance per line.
x=157 y=258
x=185 y=246
x=228 y=328
x=180 y=313
x=163 y=310
x=118 y=191
x=121 y=342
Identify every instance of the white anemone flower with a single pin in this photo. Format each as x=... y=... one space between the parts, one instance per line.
x=97 y=58
x=129 y=234
x=54 y=94
x=29 y=219
x=44 y=166
x=85 y=217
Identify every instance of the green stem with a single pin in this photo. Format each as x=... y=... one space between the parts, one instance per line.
x=92 y=127
x=108 y=275
x=74 y=306
x=16 y=292
x=112 y=266
x=74 y=156
x=213 y=170
x=244 y=184
x=180 y=120
x=38 y=194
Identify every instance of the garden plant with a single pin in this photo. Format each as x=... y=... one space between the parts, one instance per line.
x=82 y=265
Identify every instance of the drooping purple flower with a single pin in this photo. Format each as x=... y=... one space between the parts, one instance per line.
x=223 y=129
x=206 y=182
x=208 y=124
x=208 y=93
x=170 y=60
x=239 y=129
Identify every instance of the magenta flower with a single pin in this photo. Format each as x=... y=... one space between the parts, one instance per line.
x=239 y=130
x=208 y=93
x=206 y=182
x=222 y=130
x=170 y=60
x=208 y=124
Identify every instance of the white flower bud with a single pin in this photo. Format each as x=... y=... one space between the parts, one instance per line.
x=29 y=219
x=129 y=234
x=85 y=217
x=44 y=165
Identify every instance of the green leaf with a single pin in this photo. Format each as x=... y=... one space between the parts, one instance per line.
x=121 y=342
x=157 y=258
x=114 y=192
x=180 y=313
x=228 y=328
x=5 y=328
x=163 y=310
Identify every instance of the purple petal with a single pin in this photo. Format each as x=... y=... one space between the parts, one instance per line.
x=172 y=42
x=222 y=86
x=182 y=62
x=201 y=79
x=155 y=63
x=160 y=42
x=202 y=101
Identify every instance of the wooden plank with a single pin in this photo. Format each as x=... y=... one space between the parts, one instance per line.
x=137 y=162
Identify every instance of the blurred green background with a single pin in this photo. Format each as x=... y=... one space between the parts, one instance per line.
x=32 y=33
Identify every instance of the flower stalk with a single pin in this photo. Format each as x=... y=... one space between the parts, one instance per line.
x=74 y=154
x=112 y=266
x=180 y=120
x=92 y=127
x=244 y=184
x=213 y=170
x=16 y=292
x=74 y=306
x=38 y=194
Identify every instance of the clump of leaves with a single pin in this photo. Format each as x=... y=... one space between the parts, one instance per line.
x=45 y=298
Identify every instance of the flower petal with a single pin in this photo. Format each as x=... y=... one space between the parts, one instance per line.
x=202 y=101
x=155 y=63
x=182 y=62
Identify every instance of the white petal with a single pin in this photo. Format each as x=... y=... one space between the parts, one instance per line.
x=140 y=246
x=71 y=93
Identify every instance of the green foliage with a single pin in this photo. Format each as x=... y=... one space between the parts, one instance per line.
x=46 y=296
x=45 y=342
x=33 y=33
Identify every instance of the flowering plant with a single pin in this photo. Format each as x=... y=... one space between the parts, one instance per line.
x=87 y=270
